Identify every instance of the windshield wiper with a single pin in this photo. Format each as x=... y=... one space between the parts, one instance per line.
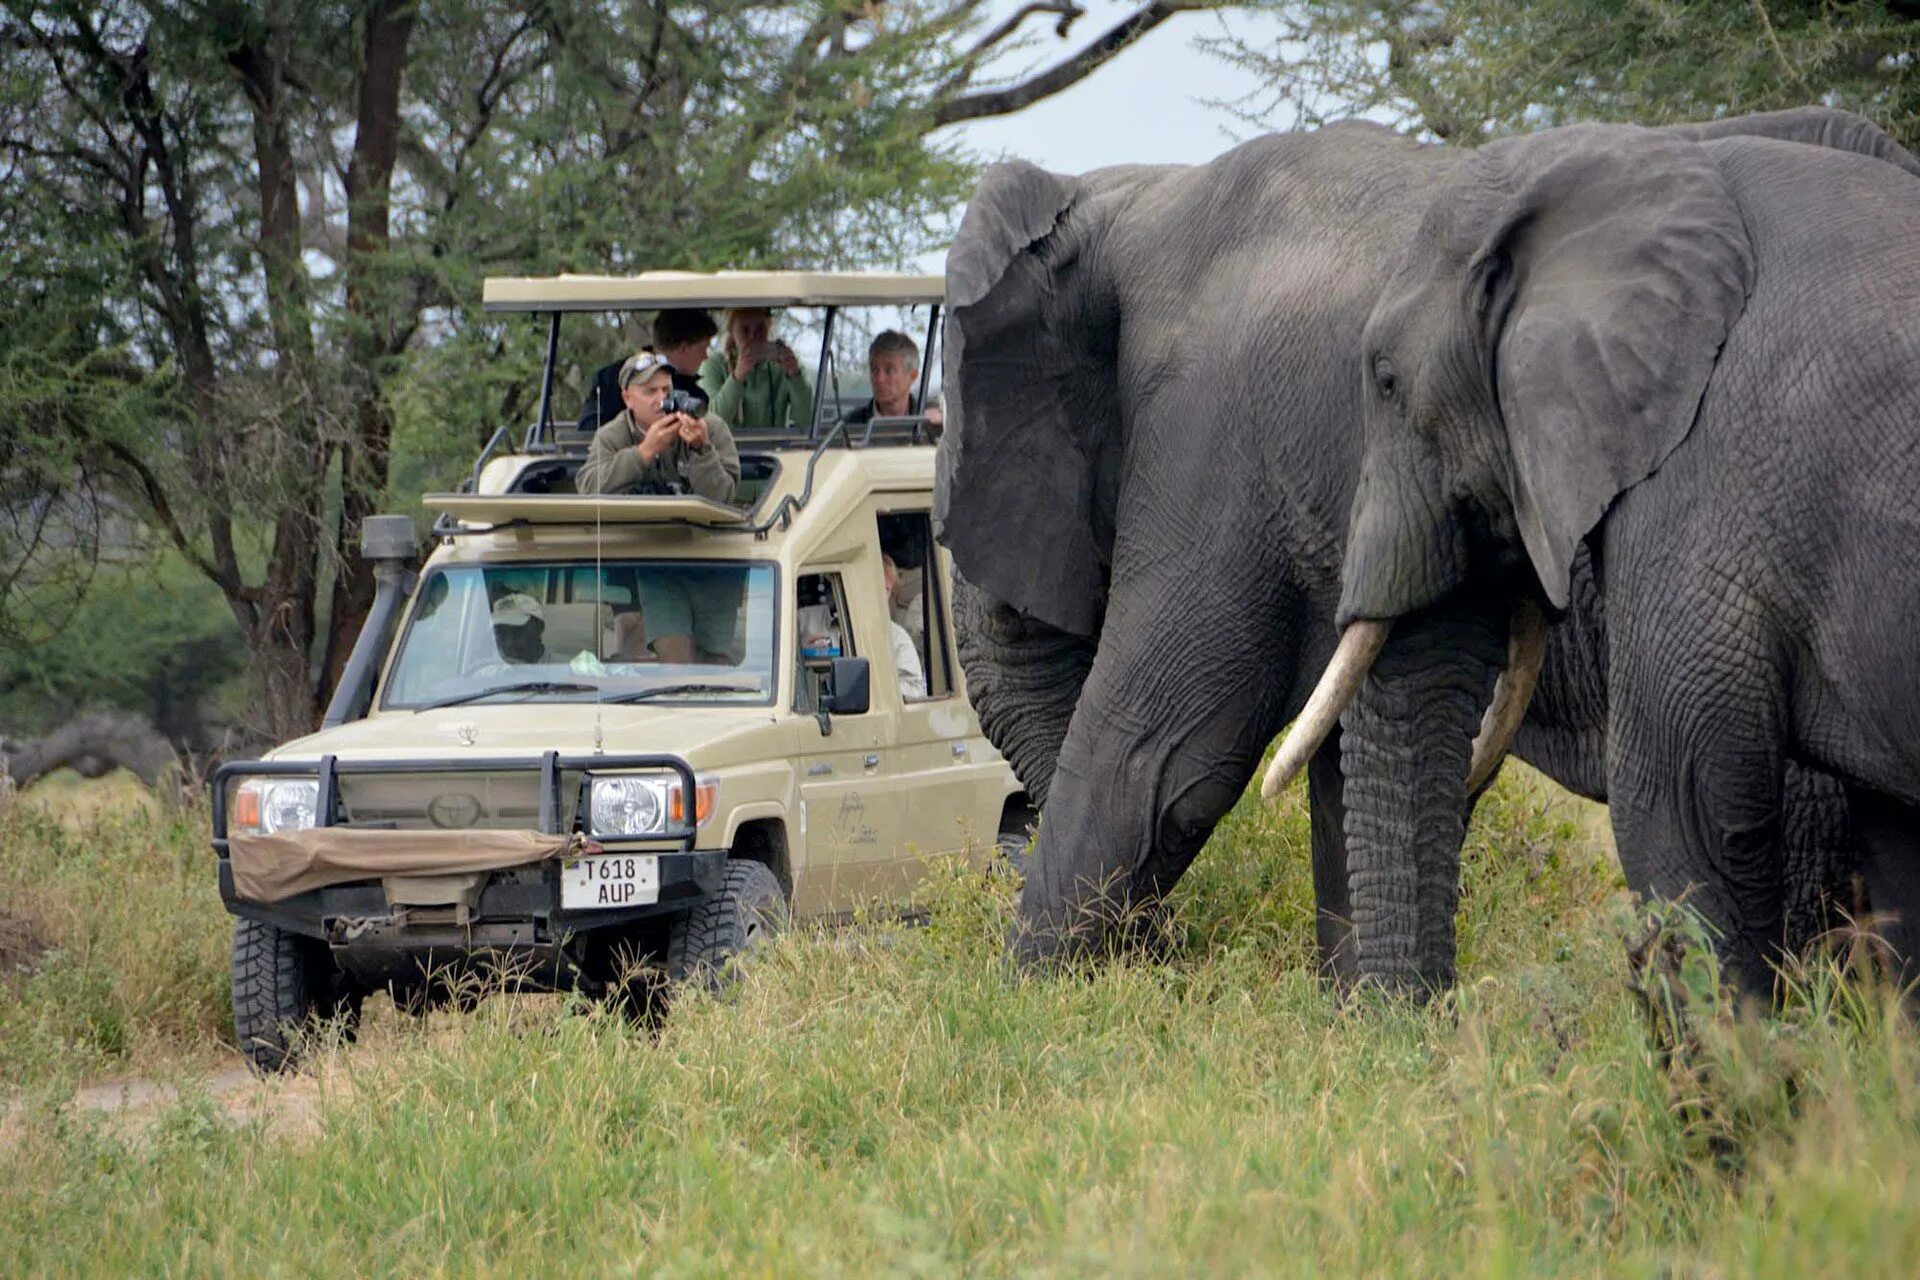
x=667 y=690
x=524 y=686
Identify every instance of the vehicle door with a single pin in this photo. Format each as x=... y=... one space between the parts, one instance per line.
x=850 y=817
x=954 y=781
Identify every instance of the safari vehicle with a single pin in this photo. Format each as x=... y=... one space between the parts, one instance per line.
x=579 y=810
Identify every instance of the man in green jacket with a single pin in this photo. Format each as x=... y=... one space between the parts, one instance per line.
x=647 y=450
x=754 y=380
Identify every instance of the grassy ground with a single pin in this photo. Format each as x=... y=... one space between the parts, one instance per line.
x=878 y=1101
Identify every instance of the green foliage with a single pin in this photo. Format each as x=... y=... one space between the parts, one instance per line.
x=151 y=635
x=1474 y=70
x=884 y=1100
x=245 y=246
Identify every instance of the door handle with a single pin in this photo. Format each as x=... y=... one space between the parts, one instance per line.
x=872 y=760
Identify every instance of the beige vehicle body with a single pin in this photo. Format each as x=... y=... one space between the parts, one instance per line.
x=847 y=807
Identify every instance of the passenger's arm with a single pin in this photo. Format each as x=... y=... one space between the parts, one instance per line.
x=714 y=472
x=906 y=661
x=612 y=465
x=799 y=400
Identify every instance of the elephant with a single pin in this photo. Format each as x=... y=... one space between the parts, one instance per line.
x=1688 y=360
x=1153 y=444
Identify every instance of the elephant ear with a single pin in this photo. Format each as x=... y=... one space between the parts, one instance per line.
x=1031 y=413
x=1606 y=278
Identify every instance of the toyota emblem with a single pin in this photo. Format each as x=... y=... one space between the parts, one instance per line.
x=453 y=810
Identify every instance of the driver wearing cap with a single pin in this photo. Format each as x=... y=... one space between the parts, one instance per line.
x=519 y=628
x=646 y=449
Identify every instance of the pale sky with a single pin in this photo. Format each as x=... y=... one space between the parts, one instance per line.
x=1149 y=105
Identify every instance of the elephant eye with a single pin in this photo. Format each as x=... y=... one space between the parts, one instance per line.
x=1385 y=381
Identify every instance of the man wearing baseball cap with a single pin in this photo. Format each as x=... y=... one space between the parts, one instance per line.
x=645 y=449
x=519 y=628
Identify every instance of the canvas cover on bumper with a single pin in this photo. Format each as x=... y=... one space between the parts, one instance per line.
x=272 y=868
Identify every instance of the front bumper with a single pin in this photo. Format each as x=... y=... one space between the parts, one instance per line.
x=515 y=908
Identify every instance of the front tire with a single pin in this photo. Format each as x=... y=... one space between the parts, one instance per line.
x=285 y=986
x=707 y=944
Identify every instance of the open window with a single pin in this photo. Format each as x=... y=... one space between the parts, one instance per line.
x=824 y=632
x=915 y=602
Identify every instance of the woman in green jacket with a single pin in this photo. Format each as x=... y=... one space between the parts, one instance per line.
x=752 y=381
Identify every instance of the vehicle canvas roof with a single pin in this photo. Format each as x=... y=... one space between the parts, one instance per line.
x=653 y=289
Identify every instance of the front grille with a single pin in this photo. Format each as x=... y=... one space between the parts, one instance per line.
x=502 y=801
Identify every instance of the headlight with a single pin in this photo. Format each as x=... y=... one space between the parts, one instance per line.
x=267 y=806
x=645 y=805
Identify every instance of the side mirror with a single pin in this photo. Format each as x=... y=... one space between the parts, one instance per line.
x=846 y=693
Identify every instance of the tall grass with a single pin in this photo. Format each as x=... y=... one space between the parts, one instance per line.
x=883 y=1101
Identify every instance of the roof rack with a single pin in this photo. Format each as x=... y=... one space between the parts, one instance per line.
x=652 y=289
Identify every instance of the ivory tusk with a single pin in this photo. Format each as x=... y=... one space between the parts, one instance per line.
x=1359 y=645
x=1526 y=651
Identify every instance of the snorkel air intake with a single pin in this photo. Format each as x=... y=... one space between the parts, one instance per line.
x=388 y=542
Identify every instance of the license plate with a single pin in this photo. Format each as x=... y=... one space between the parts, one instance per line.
x=609 y=880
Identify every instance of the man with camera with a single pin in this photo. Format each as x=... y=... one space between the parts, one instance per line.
x=664 y=441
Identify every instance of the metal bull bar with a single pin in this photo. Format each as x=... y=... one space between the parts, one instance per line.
x=552 y=765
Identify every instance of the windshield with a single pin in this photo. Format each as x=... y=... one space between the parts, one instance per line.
x=627 y=631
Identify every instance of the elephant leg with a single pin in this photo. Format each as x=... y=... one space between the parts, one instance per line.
x=1333 y=906
x=1889 y=834
x=1696 y=766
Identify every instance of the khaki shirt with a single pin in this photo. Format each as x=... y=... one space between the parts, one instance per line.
x=614 y=466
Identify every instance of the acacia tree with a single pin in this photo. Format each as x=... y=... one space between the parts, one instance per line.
x=1475 y=69
x=244 y=231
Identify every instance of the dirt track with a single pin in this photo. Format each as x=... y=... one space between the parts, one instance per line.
x=289 y=1106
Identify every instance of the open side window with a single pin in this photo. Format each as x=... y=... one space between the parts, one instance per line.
x=823 y=632
x=916 y=603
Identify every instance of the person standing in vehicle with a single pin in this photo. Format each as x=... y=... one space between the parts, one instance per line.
x=893 y=366
x=682 y=335
x=754 y=380
x=646 y=449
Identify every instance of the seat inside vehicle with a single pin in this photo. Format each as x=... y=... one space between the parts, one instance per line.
x=572 y=629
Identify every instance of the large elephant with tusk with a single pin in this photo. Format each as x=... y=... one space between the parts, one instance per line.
x=1152 y=451
x=1686 y=358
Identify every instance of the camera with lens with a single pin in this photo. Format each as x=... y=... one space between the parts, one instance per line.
x=686 y=402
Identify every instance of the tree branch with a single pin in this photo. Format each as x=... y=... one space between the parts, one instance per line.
x=1773 y=42
x=969 y=63
x=156 y=496
x=1000 y=102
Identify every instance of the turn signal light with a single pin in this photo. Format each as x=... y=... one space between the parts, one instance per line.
x=704 y=795
x=246 y=809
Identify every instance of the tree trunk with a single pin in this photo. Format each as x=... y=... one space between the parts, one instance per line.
x=377 y=330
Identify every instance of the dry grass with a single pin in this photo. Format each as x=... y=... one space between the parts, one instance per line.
x=892 y=1102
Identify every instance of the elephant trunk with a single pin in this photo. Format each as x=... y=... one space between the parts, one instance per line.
x=1023 y=678
x=1405 y=743
x=1157 y=751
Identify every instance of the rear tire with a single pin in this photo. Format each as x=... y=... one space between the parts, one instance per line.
x=707 y=944
x=285 y=986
